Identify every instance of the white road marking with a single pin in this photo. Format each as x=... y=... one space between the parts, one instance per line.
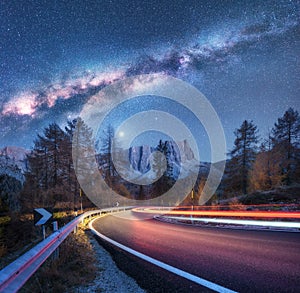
x=181 y=273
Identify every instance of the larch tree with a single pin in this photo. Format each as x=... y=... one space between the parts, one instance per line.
x=266 y=170
x=158 y=166
x=159 y=160
x=169 y=152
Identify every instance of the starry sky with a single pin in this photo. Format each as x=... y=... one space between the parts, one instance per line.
x=244 y=56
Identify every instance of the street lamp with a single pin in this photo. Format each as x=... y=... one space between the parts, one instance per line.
x=192 y=197
x=80 y=194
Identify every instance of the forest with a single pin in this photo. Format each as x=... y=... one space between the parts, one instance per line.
x=255 y=163
x=258 y=170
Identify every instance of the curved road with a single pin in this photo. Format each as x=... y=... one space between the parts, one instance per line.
x=244 y=261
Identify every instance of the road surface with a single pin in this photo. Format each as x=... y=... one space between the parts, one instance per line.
x=240 y=260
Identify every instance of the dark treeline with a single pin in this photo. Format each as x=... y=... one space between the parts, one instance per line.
x=259 y=164
x=255 y=164
x=50 y=179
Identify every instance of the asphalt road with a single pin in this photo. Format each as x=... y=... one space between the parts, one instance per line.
x=240 y=260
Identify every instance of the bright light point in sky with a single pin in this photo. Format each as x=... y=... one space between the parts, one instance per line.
x=121 y=134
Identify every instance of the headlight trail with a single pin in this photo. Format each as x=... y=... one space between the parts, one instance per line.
x=235 y=213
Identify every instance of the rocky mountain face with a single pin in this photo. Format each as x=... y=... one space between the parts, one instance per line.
x=179 y=153
x=13 y=162
x=135 y=162
x=186 y=151
x=139 y=158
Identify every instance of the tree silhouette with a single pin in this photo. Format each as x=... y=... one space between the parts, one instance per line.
x=286 y=141
x=243 y=153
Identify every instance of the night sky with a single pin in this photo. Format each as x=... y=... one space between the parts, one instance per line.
x=54 y=55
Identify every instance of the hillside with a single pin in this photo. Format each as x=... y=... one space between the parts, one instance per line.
x=284 y=195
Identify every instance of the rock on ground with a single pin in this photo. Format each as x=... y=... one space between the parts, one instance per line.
x=109 y=278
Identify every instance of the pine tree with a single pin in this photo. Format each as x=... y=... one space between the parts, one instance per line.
x=243 y=153
x=51 y=178
x=109 y=154
x=47 y=167
x=286 y=140
x=163 y=167
x=159 y=161
x=53 y=145
x=72 y=182
x=232 y=176
x=169 y=173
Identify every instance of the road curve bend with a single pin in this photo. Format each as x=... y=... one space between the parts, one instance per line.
x=241 y=260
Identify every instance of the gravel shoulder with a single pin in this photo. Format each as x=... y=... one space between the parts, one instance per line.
x=109 y=278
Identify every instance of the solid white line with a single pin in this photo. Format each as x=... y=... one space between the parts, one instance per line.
x=241 y=222
x=181 y=273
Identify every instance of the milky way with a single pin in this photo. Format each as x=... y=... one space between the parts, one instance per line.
x=54 y=56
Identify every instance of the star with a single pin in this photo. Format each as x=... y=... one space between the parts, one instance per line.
x=242 y=56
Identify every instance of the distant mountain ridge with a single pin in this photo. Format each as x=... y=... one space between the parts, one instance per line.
x=13 y=162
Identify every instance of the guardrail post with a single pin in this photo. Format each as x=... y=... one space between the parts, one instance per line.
x=44 y=231
x=56 y=251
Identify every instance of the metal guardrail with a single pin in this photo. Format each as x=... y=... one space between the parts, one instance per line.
x=14 y=276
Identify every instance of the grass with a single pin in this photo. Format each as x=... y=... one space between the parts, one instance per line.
x=18 y=234
x=75 y=266
x=279 y=196
x=288 y=195
x=61 y=215
x=4 y=220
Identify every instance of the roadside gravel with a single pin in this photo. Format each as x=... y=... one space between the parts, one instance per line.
x=109 y=278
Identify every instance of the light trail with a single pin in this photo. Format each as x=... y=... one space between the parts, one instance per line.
x=235 y=213
x=274 y=224
x=269 y=205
